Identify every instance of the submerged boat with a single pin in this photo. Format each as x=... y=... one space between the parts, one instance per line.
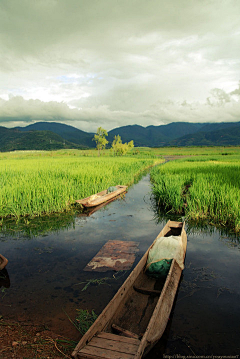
x=102 y=197
x=136 y=317
x=3 y=262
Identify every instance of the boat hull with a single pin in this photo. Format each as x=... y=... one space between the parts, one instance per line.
x=3 y=262
x=139 y=307
x=101 y=197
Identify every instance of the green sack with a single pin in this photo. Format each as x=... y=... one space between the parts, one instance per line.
x=161 y=254
x=159 y=269
x=111 y=189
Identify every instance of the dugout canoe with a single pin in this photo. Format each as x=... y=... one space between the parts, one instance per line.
x=101 y=197
x=90 y=210
x=136 y=317
x=3 y=262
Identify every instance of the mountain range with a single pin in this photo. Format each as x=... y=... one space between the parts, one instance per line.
x=53 y=135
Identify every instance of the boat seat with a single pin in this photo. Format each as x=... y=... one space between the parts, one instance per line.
x=124 y=332
x=109 y=346
x=147 y=291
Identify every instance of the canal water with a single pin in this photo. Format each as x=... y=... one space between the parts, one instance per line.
x=45 y=282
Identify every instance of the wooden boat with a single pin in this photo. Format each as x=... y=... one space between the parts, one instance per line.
x=90 y=210
x=3 y=262
x=136 y=317
x=101 y=197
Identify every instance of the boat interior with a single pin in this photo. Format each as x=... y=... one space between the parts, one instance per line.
x=134 y=313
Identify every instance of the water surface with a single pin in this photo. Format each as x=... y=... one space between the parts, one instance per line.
x=47 y=278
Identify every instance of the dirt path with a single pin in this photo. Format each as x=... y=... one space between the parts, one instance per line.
x=20 y=340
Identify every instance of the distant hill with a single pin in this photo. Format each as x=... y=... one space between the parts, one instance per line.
x=226 y=136
x=212 y=127
x=142 y=136
x=53 y=135
x=154 y=136
x=67 y=132
x=13 y=139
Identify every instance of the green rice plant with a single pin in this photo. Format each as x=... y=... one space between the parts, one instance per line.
x=200 y=189
x=198 y=151
x=168 y=191
x=43 y=183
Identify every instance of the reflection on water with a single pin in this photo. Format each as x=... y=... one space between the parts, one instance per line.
x=31 y=227
x=48 y=281
x=4 y=278
x=46 y=269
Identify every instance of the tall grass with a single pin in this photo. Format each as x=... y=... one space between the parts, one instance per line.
x=45 y=183
x=200 y=189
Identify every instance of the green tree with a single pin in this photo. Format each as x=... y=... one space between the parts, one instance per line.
x=120 y=148
x=130 y=145
x=100 y=139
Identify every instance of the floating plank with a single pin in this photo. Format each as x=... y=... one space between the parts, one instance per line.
x=114 y=255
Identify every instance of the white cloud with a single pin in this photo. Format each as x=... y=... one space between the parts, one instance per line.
x=222 y=106
x=119 y=62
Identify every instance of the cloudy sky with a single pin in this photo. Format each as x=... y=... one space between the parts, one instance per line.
x=109 y=63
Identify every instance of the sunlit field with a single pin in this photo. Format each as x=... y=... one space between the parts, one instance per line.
x=135 y=152
x=204 y=187
x=196 y=151
x=37 y=182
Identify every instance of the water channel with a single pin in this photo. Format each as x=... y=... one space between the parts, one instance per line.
x=46 y=277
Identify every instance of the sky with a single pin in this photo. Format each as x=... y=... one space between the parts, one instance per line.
x=111 y=63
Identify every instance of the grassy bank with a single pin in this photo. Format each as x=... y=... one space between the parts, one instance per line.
x=201 y=188
x=33 y=183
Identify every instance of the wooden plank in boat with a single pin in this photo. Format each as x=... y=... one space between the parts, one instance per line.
x=103 y=354
x=98 y=353
x=119 y=338
x=117 y=346
x=114 y=255
x=110 y=346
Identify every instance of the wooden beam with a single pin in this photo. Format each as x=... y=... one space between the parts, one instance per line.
x=98 y=353
x=147 y=291
x=124 y=332
x=119 y=338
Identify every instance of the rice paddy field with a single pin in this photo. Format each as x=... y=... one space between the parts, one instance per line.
x=196 y=151
x=202 y=184
x=35 y=183
x=201 y=188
